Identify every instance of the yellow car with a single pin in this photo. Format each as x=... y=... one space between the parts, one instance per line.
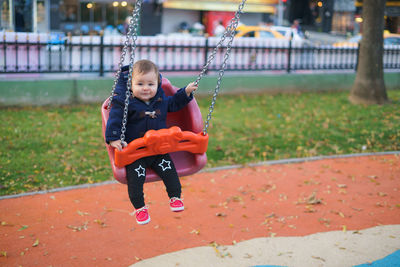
x=388 y=39
x=258 y=32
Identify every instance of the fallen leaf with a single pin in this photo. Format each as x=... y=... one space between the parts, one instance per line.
x=101 y=223
x=313 y=200
x=310 y=209
x=82 y=213
x=194 y=231
x=318 y=258
x=357 y=209
x=217 y=251
x=36 y=243
x=23 y=227
x=79 y=228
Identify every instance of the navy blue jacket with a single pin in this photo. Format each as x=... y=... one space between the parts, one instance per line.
x=138 y=121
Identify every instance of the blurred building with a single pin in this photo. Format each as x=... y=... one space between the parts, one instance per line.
x=343 y=19
x=209 y=13
x=338 y=16
x=158 y=16
x=392 y=15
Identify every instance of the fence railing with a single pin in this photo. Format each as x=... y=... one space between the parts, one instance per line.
x=100 y=54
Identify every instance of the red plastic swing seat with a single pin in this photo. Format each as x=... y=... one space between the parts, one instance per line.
x=187 y=119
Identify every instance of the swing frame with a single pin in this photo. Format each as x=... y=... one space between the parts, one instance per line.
x=164 y=140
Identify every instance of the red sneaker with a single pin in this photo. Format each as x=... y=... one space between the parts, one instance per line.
x=176 y=204
x=142 y=215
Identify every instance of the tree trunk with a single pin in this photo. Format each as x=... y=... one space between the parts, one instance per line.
x=369 y=86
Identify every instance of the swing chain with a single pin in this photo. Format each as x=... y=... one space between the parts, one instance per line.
x=122 y=58
x=130 y=41
x=133 y=35
x=226 y=33
x=230 y=33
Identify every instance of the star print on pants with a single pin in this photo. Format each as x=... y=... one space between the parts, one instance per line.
x=166 y=163
x=141 y=171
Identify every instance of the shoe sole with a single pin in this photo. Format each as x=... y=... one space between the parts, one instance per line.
x=177 y=209
x=144 y=222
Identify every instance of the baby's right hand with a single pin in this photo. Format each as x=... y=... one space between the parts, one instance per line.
x=118 y=144
x=190 y=88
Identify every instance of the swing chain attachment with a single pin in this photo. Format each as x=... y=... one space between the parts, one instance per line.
x=230 y=33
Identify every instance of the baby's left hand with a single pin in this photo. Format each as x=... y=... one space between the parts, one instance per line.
x=190 y=88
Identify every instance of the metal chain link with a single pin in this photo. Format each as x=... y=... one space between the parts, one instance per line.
x=122 y=58
x=231 y=27
x=229 y=32
x=134 y=23
x=130 y=41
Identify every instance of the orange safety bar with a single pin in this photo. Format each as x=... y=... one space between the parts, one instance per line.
x=163 y=141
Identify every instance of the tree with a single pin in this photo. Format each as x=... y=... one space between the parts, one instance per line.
x=369 y=85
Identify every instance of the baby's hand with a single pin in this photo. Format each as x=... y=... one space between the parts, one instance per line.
x=118 y=145
x=190 y=88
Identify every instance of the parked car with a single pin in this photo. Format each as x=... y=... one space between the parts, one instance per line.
x=388 y=39
x=257 y=31
x=294 y=35
x=288 y=32
x=277 y=32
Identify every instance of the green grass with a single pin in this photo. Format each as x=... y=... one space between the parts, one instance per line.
x=49 y=147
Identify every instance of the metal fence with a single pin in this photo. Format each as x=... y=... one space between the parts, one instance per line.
x=98 y=54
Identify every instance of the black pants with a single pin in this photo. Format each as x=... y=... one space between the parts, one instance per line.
x=136 y=175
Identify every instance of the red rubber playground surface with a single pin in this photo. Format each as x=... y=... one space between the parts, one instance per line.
x=93 y=226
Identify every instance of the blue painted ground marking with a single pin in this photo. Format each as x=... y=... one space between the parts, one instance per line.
x=392 y=260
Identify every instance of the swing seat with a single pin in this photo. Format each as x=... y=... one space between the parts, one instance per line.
x=190 y=139
x=161 y=141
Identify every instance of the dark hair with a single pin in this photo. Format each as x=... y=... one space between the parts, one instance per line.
x=145 y=66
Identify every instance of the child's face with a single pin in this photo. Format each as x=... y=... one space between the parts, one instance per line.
x=144 y=85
